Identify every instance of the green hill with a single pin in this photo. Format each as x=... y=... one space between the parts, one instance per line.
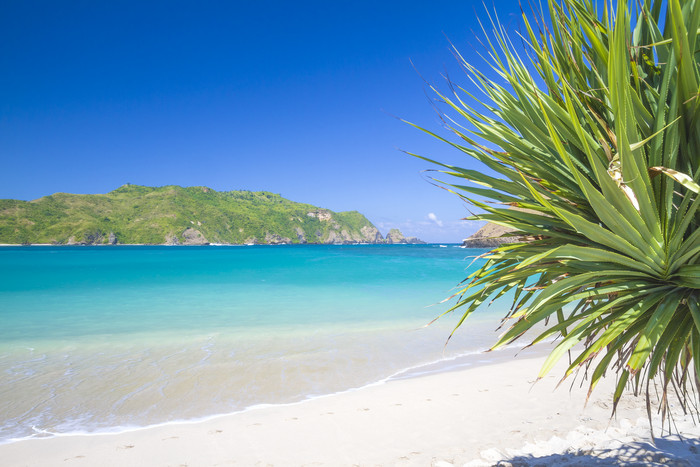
x=177 y=215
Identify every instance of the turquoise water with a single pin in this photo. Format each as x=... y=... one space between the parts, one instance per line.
x=109 y=338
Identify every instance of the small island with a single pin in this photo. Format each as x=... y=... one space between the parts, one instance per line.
x=490 y=236
x=175 y=215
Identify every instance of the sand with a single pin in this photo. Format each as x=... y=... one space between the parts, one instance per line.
x=477 y=415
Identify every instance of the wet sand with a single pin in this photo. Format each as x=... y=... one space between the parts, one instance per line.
x=472 y=414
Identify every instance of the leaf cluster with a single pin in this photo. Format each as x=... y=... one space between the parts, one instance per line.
x=588 y=127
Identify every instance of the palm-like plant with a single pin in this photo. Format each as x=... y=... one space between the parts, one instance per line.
x=595 y=137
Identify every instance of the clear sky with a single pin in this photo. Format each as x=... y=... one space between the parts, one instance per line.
x=297 y=98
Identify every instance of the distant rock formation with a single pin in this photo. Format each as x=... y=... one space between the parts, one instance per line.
x=321 y=214
x=301 y=236
x=171 y=239
x=274 y=239
x=193 y=237
x=490 y=236
x=370 y=234
x=189 y=237
x=92 y=238
x=396 y=237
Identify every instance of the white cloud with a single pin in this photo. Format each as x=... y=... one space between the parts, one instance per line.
x=434 y=218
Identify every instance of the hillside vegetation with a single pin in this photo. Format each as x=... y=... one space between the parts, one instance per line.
x=177 y=215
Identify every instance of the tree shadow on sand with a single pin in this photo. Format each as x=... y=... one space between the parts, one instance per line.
x=667 y=452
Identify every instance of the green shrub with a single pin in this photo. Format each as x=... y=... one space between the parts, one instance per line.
x=594 y=134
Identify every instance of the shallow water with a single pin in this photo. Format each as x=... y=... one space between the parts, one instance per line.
x=105 y=338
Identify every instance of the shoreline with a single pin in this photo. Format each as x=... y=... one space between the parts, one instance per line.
x=473 y=415
x=97 y=341
x=469 y=359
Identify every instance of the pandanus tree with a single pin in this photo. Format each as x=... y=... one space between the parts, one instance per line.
x=588 y=124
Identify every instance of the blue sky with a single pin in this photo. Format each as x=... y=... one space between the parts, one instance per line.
x=297 y=98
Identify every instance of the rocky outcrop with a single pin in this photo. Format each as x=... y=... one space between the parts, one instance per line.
x=396 y=237
x=274 y=239
x=337 y=235
x=370 y=234
x=322 y=215
x=171 y=239
x=340 y=238
x=490 y=236
x=193 y=237
x=189 y=237
x=367 y=234
x=92 y=238
x=301 y=236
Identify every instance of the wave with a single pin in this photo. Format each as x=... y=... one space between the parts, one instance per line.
x=452 y=363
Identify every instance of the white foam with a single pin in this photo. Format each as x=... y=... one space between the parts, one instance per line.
x=406 y=373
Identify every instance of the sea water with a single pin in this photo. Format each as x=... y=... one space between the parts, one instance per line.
x=101 y=339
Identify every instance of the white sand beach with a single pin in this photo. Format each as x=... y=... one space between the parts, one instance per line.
x=478 y=416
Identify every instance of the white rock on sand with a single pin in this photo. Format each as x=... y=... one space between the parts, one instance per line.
x=483 y=415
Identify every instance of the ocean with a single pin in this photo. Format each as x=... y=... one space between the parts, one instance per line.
x=107 y=339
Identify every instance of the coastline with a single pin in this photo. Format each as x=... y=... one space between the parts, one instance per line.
x=473 y=411
x=459 y=362
x=151 y=335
